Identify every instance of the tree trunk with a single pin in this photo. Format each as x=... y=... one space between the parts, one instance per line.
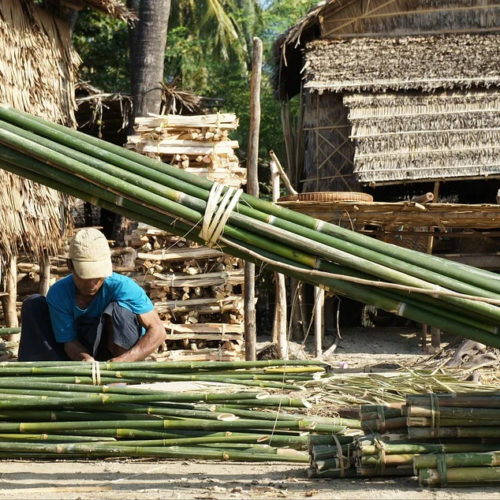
x=148 y=42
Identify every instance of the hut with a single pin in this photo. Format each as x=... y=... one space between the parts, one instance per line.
x=38 y=70
x=394 y=92
x=397 y=98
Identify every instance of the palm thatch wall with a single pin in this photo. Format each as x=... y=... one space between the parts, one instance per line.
x=418 y=83
x=400 y=63
x=409 y=137
x=37 y=68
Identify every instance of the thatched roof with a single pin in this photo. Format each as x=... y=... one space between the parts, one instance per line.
x=346 y=19
x=37 y=64
x=417 y=62
x=420 y=137
x=114 y=8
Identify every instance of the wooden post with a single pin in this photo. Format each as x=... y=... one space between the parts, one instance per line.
x=44 y=275
x=435 y=332
x=9 y=300
x=319 y=302
x=253 y=189
x=280 y=314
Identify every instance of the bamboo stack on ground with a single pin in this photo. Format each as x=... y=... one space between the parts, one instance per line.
x=436 y=454
x=71 y=414
x=452 y=297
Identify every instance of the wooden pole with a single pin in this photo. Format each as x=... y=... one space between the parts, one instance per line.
x=9 y=300
x=44 y=275
x=280 y=323
x=319 y=302
x=253 y=189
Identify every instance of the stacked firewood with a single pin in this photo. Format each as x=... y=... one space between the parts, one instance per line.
x=199 y=144
x=196 y=290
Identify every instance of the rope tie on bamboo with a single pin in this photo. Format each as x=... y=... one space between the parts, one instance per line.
x=96 y=373
x=442 y=469
x=380 y=463
x=380 y=418
x=340 y=455
x=218 y=211
x=435 y=414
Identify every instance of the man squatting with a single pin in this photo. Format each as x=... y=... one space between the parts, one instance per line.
x=91 y=314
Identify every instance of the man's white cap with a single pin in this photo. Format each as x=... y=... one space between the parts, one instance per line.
x=90 y=254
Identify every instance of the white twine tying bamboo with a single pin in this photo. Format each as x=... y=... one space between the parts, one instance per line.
x=218 y=211
x=96 y=373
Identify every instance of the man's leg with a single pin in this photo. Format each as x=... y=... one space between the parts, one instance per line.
x=37 y=338
x=121 y=332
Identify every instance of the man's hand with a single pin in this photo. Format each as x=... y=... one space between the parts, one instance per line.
x=149 y=342
x=76 y=351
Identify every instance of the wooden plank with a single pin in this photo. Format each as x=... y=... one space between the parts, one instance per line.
x=213 y=328
x=440 y=215
x=220 y=148
x=202 y=279
x=181 y=254
x=202 y=336
x=219 y=120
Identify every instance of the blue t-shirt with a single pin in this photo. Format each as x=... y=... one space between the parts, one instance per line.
x=61 y=299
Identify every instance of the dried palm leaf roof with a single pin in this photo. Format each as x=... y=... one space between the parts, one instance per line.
x=405 y=137
x=416 y=62
x=37 y=64
x=113 y=8
x=378 y=18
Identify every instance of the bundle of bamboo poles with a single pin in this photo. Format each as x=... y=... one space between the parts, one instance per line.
x=452 y=297
x=406 y=439
x=457 y=416
x=78 y=409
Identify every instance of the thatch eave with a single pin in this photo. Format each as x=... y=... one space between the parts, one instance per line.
x=288 y=53
x=113 y=8
x=403 y=63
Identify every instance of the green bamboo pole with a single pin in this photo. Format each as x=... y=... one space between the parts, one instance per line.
x=104 y=450
x=407 y=311
x=103 y=150
x=419 y=433
x=59 y=438
x=474 y=400
x=388 y=460
x=460 y=476
x=423 y=448
x=470 y=459
x=477 y=335
x=100 y=176
x=180 y=203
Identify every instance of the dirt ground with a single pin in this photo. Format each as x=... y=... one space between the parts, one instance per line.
x=149 y=479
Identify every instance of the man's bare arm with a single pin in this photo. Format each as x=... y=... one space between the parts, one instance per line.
x=76 y=351
x=149 y=342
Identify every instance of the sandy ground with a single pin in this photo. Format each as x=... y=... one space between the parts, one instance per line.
x=122 y=480
x=149 y=479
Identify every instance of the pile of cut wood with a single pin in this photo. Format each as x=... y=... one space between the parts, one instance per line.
x=199 y=144
x=196 y=291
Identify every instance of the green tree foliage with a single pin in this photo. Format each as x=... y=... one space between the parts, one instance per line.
x=208 y=52
x=102 y=43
